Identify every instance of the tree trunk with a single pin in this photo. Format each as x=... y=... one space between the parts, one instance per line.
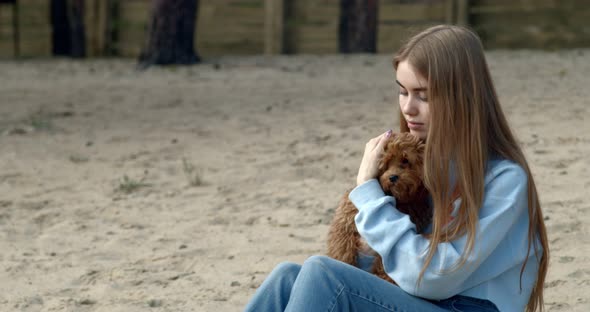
x=170 y=37
x=67 y=20
x=76 y=17
x=358 y=26
x=61 y=34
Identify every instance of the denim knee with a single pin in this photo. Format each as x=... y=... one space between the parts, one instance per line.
x=318 y=260
x=287 y=268
x=321 y=265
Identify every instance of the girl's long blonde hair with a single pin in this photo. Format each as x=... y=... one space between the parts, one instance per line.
x=467 y=125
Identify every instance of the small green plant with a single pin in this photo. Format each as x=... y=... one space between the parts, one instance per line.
x=40 y=121
x=128 y=185
x=194 y=175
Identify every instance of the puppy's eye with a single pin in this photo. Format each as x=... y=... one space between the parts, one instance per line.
x=405 y=161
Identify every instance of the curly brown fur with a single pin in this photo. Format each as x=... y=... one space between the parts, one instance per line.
x=401 y=176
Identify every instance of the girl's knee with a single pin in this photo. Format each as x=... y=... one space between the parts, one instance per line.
x=287 y=268
x=320 y=260
x=321 y=263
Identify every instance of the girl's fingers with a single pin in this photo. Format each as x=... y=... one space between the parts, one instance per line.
x=382 y=140
x=369 y=164
x=378 y=141
x=384 y=137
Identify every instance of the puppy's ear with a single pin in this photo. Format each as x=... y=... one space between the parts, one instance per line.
x=420 y=149
x=382 y=163
x=386 y=155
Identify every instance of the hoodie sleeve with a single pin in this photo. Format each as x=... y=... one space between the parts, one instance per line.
x=391 y=234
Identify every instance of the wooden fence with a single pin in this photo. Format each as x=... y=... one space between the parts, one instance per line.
x=117 y=27
x=32 y=36
x=538 y=24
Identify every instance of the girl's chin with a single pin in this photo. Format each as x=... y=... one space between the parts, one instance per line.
x=420 y=134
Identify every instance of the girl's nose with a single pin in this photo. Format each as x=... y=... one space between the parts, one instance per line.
x=408 y=108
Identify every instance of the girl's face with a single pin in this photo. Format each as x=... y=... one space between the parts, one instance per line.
x=412 y=99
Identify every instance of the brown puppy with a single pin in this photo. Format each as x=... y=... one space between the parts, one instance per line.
x=400 y=176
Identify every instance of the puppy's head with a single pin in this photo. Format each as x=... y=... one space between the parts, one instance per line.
x=401 y=167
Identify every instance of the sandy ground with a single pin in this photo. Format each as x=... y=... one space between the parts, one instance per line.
x=179 y=189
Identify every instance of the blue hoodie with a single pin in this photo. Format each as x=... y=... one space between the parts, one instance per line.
x=492 y=270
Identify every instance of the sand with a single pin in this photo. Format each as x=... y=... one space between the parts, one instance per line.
x=179 y=189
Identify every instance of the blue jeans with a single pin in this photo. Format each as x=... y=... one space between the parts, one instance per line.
x=325 y=284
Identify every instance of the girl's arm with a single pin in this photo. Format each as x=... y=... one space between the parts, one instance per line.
x=391 y=234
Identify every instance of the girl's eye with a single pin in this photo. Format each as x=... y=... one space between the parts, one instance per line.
x=403 y=92
x=423 y=97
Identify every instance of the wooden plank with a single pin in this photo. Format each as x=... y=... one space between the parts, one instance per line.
x=90 y=27
x=7 y=32
x=320 y=16
x=530 y=3
x=313 y=26
x=220 y=50
x=34 y=33
x=398 y=21
x=131 y=6
x=137 y=17
x=391 y=37
x=318 y=48
x=450 y=16
x=413 y=12
x=231 y=27
x=545 y=29
x=273 y=27
x=6 y=26
x=95 y=15
x=132 y=26
x=251 y=4
x=126 y=25
x=6 y=50
x=220 y=15
x=128 y=50
x=6 y=13
x=231 y=31
x=35 y=48
x=462 y=12
x=235 y=42
x=242 y=46
x=220 y=34
x=308 y=8
x=311 y=32
x=39 y=3
x=511 y=8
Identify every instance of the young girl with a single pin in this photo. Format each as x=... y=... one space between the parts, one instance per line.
x=487 y=248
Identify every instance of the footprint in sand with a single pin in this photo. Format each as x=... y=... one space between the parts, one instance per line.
x=566 y=259
x=554 y=283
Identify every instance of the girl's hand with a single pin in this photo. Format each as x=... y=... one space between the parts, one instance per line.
x=370 y=163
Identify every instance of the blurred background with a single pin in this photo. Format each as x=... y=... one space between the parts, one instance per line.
x=123 y=28
x=179 y=188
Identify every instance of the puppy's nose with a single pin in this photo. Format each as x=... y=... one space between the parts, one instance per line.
x=393 y=178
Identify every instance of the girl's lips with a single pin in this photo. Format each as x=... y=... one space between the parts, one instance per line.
x=415 y=125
